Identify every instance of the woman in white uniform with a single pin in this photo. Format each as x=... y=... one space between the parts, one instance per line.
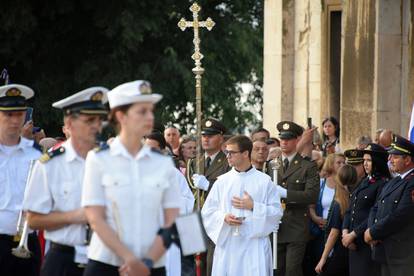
x=126 y=186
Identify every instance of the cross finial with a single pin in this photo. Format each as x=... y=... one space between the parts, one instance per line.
x=196 y=25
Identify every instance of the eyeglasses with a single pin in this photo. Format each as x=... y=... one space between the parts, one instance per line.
x=230 y=152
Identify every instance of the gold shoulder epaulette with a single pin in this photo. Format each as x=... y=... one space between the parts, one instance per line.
x=50 y=154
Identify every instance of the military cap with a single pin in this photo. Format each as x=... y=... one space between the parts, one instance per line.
x=376 y=150
x=13 y=97
x=354 y=156
x=289 y=130
x=212 y=126
x=401 y=146
x=132 y=92
x=90 y=101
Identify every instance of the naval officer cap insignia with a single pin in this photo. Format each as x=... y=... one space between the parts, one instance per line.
x=401 y=146
x=354 y=156
x=212 y=126
x=13 y=97
x=132 y=92
x=90 y=101
x=289 y=130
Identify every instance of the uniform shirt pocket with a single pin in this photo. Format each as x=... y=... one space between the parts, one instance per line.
x=153 y=190
x=5 y=195
x=117 y=187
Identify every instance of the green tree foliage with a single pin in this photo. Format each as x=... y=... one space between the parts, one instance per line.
x=61 y=47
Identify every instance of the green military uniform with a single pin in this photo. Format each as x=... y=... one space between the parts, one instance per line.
x=301 y=181
x=217 y=167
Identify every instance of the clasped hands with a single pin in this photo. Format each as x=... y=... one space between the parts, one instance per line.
x=245 y=202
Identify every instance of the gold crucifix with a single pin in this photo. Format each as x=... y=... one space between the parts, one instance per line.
x=196 y=24
x=198 y=71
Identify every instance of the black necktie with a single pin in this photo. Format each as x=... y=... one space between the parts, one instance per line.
x=208 y=161
x=285 y=164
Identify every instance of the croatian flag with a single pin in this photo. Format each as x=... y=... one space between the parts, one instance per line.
x=411 y=129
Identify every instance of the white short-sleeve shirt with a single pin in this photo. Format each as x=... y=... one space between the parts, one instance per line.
x=14 y=168
x=56 y=185
x=134 y=190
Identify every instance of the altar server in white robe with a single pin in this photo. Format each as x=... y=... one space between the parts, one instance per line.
x=241 y=210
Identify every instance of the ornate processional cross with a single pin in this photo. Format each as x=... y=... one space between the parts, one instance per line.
x=198 y=71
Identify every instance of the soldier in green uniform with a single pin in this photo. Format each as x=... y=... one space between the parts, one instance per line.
x=212 y=164
x=298 y=186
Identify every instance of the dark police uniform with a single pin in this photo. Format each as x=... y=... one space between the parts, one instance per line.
x=391 y=219
x=14 y=169
x=362 y=199
x=301 y=180
x=211 y=169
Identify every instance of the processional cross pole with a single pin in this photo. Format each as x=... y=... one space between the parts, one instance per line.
x=196 y=24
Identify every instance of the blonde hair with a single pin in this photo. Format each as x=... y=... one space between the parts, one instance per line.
x=346 y=176
x=329 y=165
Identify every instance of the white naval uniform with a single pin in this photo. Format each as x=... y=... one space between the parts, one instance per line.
x=56 y=185
x=133 y=190
x=249 y=253
x=14 y=167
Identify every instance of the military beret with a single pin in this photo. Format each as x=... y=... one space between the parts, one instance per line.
x=401 y=146
x=289 y=130
x=212 y=126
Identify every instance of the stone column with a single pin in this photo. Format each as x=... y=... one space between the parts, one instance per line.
x=272 y=72
x=291 y=61
x=392 y=95
x=357 y=70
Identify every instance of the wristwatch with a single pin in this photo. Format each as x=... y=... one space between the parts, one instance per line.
x=148 y=262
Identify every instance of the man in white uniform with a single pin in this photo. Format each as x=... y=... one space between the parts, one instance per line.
x=53 y=196
x=16 y=153
x=240 y=212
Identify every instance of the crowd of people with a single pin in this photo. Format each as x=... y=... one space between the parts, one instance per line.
x=291 y=205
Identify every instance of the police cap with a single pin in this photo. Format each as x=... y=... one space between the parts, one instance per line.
x=354 y=156
x=401 y=146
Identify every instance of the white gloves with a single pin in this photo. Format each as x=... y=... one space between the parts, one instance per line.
x=201 y=182
x=282 y=191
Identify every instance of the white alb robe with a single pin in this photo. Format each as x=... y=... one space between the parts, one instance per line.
x=250 y=252
x=173 y=255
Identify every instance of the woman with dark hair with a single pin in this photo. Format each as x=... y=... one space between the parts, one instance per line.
x=330 y=136
x=356 y=217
